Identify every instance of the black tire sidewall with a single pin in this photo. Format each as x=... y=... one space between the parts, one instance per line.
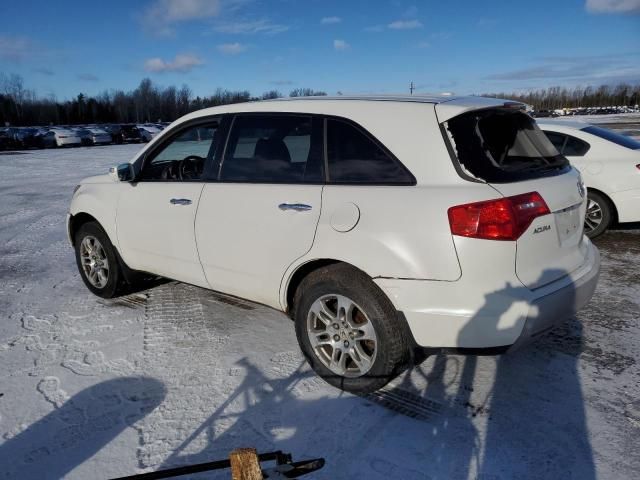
x=607 y=214
x=391 y=345
x=113 y=282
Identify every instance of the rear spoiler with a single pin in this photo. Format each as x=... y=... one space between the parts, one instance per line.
x=445 y=111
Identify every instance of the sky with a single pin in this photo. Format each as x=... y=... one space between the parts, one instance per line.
x=62 y=48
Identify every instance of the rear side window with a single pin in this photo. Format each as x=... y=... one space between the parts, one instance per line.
x=273 y=149
x=575 y=147
x=557 y=139
x=568 y=145
x=614 y=137
x=500 y=146
x=354 y=157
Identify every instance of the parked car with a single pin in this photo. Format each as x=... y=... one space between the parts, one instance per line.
x=93 y=136
x=544 y=113
x=6 y=140
x=148 y=132
x=26 y=137
x=61 y=137
x=610 y=167
x=124 y=133
x=381 y=225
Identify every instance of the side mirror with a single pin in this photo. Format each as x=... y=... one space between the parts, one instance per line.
x=125 y=172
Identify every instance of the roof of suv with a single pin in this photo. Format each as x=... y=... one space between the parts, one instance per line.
x=447 y=106
x=376 y=98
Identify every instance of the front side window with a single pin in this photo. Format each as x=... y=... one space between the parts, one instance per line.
x=354 y=157
x=273 y=149
x=183 y=158
x=499 y=145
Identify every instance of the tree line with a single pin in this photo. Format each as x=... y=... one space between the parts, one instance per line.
x=553 y=98
x=20 y=106
x=151 y=103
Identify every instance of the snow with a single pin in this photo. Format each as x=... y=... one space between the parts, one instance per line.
x=91 y=388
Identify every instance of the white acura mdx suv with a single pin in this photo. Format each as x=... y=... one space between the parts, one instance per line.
x=384 y=226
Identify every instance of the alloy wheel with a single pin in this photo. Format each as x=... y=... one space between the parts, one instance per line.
x=341 y=335
x=95 y=263
x=594 y=216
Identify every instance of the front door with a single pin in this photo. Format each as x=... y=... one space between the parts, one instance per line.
x=156 y=214
x=262 y=214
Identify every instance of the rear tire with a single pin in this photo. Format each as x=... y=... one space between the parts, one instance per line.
x=97 y=262
x=348 y=330
x=599 y=214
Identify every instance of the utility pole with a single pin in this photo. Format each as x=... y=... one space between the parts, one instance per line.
x=412 y=87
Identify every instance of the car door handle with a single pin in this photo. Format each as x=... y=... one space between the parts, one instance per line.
x=298 y=207
x=180 y=201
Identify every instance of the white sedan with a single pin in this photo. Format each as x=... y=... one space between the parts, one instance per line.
x=610 y=167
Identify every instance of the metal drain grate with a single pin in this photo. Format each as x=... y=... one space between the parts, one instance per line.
x=135 y=300
x=236 y=302
x=406 y=403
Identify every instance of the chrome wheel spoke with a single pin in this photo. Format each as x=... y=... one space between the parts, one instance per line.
x=322 y=313
x=365 y=331
x=345 y=310
x=360 y=358
x=320 y=338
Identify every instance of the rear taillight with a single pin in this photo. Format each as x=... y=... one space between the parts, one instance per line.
x=502 y=219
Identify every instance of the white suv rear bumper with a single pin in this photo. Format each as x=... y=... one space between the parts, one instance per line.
x=464 y=314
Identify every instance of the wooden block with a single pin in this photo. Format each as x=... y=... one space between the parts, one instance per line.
x=245 y=464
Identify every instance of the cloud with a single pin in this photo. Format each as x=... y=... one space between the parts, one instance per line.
x=330 y=20
x=340 y=45
x=613 y=6
x=15 y=49
x=232 y=48
x=184 y=62
x=405 y=25
x=162 y=14
x=250 y=27
x=423 y=44
x=44 y=71
x=87 y=77
x=595 y=68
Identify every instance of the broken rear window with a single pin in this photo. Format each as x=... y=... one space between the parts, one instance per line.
x=500 y=146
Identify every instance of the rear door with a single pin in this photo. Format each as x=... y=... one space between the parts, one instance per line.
x=505 y=148
x=262 y=213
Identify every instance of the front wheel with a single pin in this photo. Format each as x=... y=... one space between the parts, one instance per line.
x=97 y=261
x=599 y=214
x=348 y=329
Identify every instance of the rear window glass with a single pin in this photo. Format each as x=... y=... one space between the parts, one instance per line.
x=500 y=146
x=613 y=137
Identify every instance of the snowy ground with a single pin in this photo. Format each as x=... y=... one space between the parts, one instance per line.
x=175 y=375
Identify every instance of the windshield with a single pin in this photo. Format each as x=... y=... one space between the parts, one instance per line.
x=499 y=146
x=614 y=137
